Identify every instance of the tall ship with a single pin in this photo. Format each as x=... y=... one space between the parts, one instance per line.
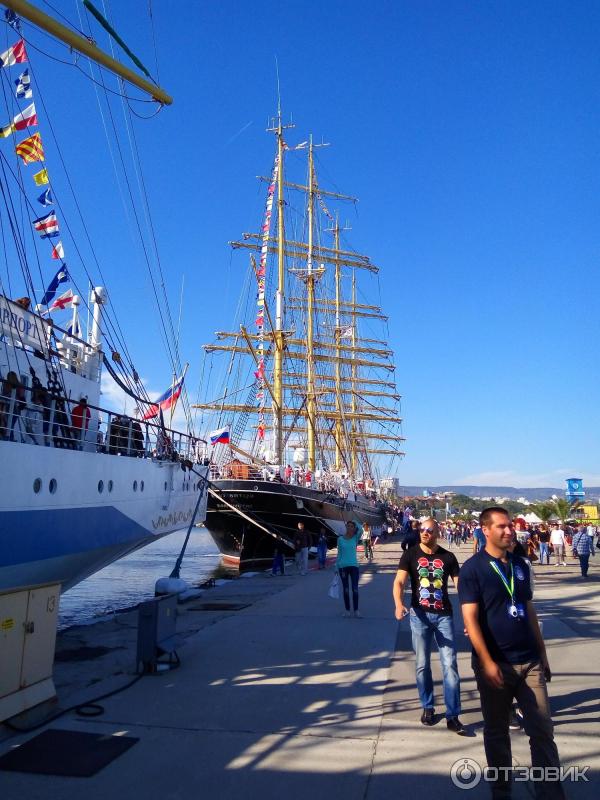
x=306 y=422
x=81 y=484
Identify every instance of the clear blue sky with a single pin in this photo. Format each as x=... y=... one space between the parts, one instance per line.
x=470 y=133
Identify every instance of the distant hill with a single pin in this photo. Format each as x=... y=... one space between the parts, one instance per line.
x=592 y=493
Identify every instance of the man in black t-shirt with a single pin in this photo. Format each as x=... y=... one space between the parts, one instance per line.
x=429 y=567
x=544 y=540
x=509 y=654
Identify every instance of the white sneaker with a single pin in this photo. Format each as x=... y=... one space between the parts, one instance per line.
x=564 y=563
x=345 y=614
x=357 y=614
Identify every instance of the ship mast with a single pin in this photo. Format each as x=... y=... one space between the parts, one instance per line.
x=353 y=462
x=311 y=404
x=278 y=334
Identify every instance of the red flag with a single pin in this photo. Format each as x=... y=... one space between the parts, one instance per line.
x=58 y=251
x=14 y=55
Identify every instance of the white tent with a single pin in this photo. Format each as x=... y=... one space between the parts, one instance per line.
x=532 y=518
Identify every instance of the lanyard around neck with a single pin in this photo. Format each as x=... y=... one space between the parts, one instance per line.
x=510 y=587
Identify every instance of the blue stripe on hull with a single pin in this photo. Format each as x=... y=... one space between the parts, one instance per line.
x=27 y=536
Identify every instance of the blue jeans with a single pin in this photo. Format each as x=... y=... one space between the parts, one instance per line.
x=426 y=627
x=544 y=552
x=584 y=562
x=348 y=574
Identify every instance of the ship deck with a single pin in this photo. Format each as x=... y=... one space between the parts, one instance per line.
x=284 y=697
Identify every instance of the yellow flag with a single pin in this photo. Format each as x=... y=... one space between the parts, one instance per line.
x=7 y=131
x=41 y=177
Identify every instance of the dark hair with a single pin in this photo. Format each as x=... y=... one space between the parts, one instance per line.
x=486 y=515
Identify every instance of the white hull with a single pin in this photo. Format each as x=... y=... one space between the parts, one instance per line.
x=103 y=507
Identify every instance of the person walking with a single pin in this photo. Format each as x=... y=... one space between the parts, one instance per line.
x=429 y=567
x=347 y=565
x=367 y=543
x=301 y=543
x=478 y=539
x=559 y=543
x=322 y=548
x=509 y=655
x=278 y=565
x=544 y=542
x=582 y=549
x=591 y=532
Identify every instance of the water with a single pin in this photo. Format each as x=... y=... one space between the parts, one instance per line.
x=131 y=580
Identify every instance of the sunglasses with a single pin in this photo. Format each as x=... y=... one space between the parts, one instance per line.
x=427 y=530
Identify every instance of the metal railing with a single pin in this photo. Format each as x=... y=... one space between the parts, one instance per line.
x=37 y=416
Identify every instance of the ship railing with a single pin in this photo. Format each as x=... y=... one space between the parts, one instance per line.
x=33 y=415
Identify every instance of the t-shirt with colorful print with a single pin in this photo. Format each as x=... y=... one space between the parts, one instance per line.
x=429 y=573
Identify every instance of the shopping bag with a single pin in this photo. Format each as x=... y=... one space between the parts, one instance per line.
x=334 y=588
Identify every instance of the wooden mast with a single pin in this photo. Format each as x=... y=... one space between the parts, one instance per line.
x=278 y=334
x=338 y=335
x=311 y=403
x=353 y=460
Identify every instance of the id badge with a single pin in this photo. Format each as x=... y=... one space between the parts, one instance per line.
x=520 y=610
x=513 y=612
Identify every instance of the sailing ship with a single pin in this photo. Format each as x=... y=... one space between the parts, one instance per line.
x=81 y=485
x=307 y=422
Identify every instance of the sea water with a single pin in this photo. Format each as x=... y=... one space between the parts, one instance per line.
x=131 y=580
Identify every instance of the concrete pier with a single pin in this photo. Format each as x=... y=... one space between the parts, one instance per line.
x=284 y=698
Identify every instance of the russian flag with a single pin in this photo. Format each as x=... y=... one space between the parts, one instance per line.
x=220 y=437
x=166 y=401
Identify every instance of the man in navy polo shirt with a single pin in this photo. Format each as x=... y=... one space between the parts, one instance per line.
x=509 y=654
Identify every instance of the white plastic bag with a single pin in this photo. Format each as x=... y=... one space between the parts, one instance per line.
x=334 y=587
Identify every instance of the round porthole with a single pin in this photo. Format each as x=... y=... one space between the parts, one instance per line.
x=37 y=485
x=52 y=486
x=135 y=486
x=141 y=486
x=110 y=486
x=100 y=487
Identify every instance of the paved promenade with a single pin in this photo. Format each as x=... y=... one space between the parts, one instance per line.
x=286 y=699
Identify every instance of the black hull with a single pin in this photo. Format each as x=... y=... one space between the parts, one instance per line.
x=278 y=507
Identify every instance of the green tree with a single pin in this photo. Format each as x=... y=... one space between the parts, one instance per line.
x=562 y=508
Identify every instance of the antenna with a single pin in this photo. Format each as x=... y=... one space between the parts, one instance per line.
x=278 y=90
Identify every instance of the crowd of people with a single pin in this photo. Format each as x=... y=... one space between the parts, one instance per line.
x=535 y=542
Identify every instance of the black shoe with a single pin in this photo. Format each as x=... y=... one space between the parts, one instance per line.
x=454 y=724
x=427 y=717
x=514 y=722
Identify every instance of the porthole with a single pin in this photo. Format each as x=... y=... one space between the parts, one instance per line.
x=141 y=486
x=135 y=486
x=37 y=485
x=52 y=486
x=100 y=487
x=110 y=486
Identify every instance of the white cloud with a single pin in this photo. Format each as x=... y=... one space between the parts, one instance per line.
x=552 y=478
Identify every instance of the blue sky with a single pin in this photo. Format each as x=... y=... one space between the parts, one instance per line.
x=469 y=131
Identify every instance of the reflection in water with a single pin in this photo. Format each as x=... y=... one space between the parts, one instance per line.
x=129 y=581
